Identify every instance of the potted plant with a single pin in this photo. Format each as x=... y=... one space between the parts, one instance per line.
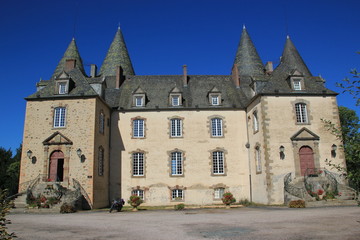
x=228 y=199
x=135 y=201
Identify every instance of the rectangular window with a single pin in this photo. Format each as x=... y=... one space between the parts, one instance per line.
x=177 y=194
x=214 y=100
x=301 y=113
x=138 y=128
x=258 y=160
x=218 y=163
x=138 y=164
x=62 y=87
x=59 y=117
x=176 y=163
x=101 y=162
x=297 y=84
x=175 y=100
x=218 y=193
x=139 y=101
x=256 y=122
x=176 y=127
x=101 y=123
x=139 y=193
x=216 y=127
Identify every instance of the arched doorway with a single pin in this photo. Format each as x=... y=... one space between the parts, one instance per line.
x=306 y=156
x=56 y=167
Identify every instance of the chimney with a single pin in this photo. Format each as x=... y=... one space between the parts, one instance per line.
x=235 y=75
x=185 y=77
x=119 y=76
x=269 y=67
x=93 y=70
x=70 y=64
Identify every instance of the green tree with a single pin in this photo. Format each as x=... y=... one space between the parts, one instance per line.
x=348 y=133
x=351 y=143
x=9 y=170
x=352 y=85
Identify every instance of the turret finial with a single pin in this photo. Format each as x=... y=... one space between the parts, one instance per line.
x=244 y=26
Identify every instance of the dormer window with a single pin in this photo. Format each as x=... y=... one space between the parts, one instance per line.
x=214 y=97
x=139 y=98
x=175 y=100
x=175 y=97
x=139 y=101
x=62 y=87
x=297 y=84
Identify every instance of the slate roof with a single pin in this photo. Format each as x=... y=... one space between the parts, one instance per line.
x=71 y=52
x=117 y=55
x=81 y=87
x=195 y=95
x=247 y=58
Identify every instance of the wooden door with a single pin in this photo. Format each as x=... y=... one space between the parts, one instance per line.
x=306 y=159
x=56 y=166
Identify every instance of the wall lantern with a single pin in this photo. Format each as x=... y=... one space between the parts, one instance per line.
x=333 y=150
x=80 y=155
x=282 y=154
x=29 y=154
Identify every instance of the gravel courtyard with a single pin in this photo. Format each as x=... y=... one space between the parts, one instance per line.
x=241 y=223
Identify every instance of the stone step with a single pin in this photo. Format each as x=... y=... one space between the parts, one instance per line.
x=20 y=201
x=332 y=202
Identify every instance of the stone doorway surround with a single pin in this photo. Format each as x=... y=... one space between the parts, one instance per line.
x=305 y=138
x=55 y=143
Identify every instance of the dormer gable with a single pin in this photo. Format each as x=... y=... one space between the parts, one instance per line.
x=175 y=97
x=139 y=98
x=57 y=139
x=304 y=134
x=296 y=80
x=214 y=96
x=63 y=84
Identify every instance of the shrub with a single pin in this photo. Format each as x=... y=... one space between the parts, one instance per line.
x=228 y=198
x=67 y=208
x=180 y=206
x=134 y=201
x=297 y=204
x=5 y=206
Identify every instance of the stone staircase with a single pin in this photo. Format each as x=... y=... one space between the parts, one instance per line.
x=20 y=201
x=346 y=193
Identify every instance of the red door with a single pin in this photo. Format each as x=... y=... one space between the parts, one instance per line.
x=306 y=159
x=56 y=166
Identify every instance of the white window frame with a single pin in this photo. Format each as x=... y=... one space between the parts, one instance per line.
x=138 y=164
x=59 y=117
x=218 y=165
x=101 y=162
x=176 y=127
x=138 y=192
x=255 y=121
x=258 y=159
x=62 y=87
x=177 y=166
x=301 y=113
x=175 y=100
x=216 y=127
x=218 y=193
x=177 y=194
x=215 y=100
x=297 y=84
x=138 y=128
x=139 y=101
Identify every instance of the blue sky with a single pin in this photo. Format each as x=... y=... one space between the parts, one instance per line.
x=161 y=36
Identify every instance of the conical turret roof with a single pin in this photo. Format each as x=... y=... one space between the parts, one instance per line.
x=117 y=55
x=247 y=58
x=291 y=60
x=71 y=52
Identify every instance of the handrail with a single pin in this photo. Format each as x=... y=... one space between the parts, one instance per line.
x=296 y=191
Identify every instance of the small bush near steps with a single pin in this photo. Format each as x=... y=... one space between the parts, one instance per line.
x=297 y=204
x=67 y=208
x=180 y=206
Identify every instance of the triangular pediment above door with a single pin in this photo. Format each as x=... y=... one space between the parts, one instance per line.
x=57 y=139
x=304 y=134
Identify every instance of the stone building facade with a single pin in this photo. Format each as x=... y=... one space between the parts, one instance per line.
x=179 y=138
